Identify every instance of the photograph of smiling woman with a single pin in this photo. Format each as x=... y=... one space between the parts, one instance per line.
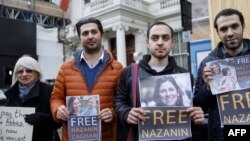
x=168 y=92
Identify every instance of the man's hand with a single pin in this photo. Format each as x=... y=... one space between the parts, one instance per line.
x=196 y=114
x=106 y=115
x=62 y=113
x=135 y=115
x=207 y=76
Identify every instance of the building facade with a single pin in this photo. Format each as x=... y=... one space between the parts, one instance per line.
x=125 y=23
x=30 y=27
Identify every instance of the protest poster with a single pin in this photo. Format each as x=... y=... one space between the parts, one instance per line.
x=165 y=123
x=165 y=100
x=230 y=84
x=230 y=74
x=234 y=107
x=83 y=122
x=12 y=124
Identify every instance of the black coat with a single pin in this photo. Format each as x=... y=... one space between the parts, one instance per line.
x=204 y=97
x=41 y=92
x=124 y=97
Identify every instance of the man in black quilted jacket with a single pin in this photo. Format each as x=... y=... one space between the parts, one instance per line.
x=160 y=42
x=229 y=24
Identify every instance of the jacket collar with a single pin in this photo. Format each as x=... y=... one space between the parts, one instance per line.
x=169 y=68
x=220 y=52
x=13 y=92
x=107 y=58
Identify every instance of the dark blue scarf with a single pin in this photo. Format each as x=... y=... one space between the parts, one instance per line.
x=25 y=91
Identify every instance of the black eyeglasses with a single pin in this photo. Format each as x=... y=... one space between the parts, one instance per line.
x=24 y=70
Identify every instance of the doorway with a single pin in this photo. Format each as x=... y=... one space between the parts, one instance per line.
x=130 y=47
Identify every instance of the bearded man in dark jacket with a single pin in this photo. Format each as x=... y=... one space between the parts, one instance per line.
x=160 y=42
x=229 y=24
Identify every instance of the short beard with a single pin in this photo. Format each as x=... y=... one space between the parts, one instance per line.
x=160 y=57
x=92 y=50
x=233 y=48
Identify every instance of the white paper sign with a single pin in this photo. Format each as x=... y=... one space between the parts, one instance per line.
x=12 y=124
x=186 y=36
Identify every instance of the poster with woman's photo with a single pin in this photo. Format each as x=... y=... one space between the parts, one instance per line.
x=224 y=76
x=165 y=99
x=166 y=90
x=230 y=83
x=83 y=122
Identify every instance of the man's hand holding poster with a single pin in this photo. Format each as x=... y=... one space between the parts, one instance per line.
x=83 y=122
x=232 y=89
x=165 y=100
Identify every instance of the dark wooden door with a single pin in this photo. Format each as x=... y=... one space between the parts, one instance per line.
x=130 y=47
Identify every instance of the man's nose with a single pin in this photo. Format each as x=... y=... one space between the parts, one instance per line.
x=230 y=32
x=90 y=35
x=160 y=41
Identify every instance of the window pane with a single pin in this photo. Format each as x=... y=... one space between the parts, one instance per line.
x=185 y=61
x=180 y=51
x=184 y=47
x=176 y=48
x=177 y=59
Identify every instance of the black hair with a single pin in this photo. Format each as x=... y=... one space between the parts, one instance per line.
x=70 y=104
x=225 y=71
x=86 y=21
x=160 y=23
x=216 y=64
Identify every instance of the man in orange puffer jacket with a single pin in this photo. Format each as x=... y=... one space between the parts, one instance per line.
x=92 y=71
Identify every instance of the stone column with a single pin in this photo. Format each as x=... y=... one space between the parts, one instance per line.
x=120 y=43
x=140 y=45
